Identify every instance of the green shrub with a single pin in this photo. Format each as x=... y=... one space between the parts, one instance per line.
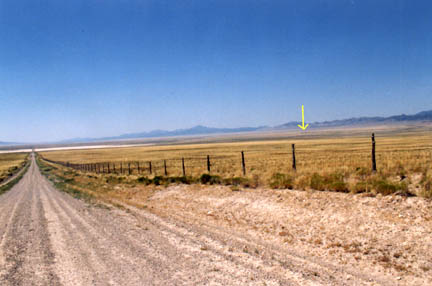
x=157 y=180
x=69 y=180
x=426 y=183
x=329 y=182
x=180 y=180
x=385 y=187
x=361 y=187
x=144 y=180
x=317 y=182
x=236 y=181
x=209 y=179
x=239 y=181
x=338 y=186
x=47 y=169
x=281 y=181
x=114 y=180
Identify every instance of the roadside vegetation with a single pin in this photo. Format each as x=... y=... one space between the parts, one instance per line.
x=63 y=180
x=10 y=166
x=324 y=163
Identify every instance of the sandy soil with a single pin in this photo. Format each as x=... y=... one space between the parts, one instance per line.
x=211 y=236
x=383 y=239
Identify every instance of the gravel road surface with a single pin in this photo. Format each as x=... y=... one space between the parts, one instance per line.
x=49 y=238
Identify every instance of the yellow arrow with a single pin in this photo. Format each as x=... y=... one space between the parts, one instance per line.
x=303 y=126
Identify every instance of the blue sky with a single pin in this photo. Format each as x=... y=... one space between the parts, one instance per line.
x=99 y=68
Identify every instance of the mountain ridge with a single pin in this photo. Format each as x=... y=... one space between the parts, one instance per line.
x=203 y=130
x=420 y=116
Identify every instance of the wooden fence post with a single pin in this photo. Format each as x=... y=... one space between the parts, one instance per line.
x=183 y=167
x=129 y=168
x=114 y=168
x=373 y=154
x=138 y=167
x=243 y=163
x=293 y=157
x=121 y=168
x=109 y=170
x=165 y=168
x=208 y=163
x=150 y=168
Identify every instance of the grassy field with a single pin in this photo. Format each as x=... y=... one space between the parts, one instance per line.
x=335 y=161
x=10 y=163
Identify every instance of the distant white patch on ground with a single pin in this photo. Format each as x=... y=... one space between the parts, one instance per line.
x=73 y=148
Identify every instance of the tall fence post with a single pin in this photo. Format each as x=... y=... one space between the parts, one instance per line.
x=208 y=163
x=129 y=169
x=293 y=157
x=373 y=154
x=183 y=167
x=121 y=168
x=165 y=168
x=243 y=163
x=109 y=170
x=138 y=167
x=150 y=168
x=114 y=168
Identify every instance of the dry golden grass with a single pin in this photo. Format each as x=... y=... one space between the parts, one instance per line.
x=399 y=154
x=10 y=163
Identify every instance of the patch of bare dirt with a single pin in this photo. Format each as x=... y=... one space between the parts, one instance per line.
x=388 y=237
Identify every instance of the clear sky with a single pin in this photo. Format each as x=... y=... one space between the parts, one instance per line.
x=106 y=67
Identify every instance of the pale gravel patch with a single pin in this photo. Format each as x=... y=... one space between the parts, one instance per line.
x=351 y=231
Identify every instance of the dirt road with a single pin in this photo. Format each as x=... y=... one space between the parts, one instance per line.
x=50 y=238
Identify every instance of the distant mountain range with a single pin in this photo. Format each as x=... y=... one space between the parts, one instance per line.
x=7 y=143
x=197 y=130
x=424 y=116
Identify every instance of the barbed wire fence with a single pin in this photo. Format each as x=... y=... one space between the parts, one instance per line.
x=244 y=163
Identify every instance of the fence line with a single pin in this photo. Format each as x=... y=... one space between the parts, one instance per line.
x=212 y=164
